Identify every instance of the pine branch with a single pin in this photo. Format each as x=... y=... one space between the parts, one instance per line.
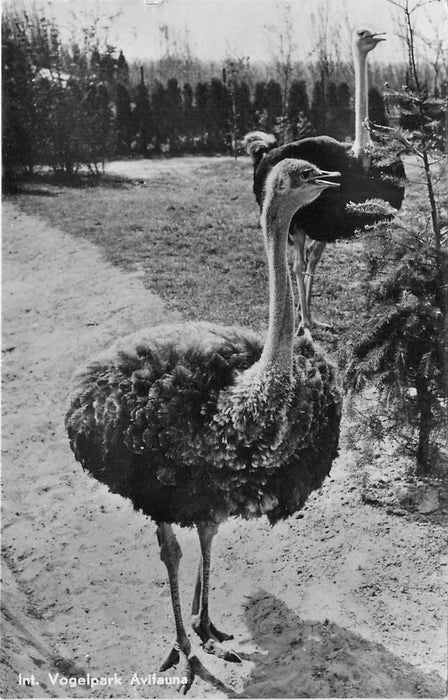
x=389 y=132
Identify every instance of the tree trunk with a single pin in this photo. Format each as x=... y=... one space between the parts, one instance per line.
x=424 y=401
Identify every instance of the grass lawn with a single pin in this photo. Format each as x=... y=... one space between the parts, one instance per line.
x=193 y=233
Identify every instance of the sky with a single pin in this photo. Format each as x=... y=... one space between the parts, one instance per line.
x=218 y=29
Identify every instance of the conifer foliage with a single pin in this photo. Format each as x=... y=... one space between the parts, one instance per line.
x=56 y=108
x=74 y=105
x=404 y=348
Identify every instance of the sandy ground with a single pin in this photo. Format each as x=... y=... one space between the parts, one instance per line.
x=342 y=601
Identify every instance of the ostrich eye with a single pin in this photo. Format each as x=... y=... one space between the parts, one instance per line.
x=305 y=175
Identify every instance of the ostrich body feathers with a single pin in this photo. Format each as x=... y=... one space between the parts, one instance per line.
x=331 y=218
x=170 y=418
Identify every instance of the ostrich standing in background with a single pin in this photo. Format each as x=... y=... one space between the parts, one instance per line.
x=364 y=176
x=196 y=422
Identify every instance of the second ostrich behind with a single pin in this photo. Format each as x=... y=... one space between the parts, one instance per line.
x=196 y=422
x=365 y=176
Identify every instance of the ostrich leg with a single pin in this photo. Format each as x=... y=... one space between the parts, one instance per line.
x=195 y=606
x=170 y=554
x=315 y=251
x=210 y=636
x=197 y=591
x=304 y=272
x=298 y=238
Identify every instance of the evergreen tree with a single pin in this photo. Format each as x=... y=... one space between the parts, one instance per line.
x=122 y=69
x=298 y=111
x=108 y=66
x=95 y=64
x=339 y=115
x=173 y=112
x=18 y=107
x=298 y=99
x=259 y=101
x=332 y=122
x=188 y=116
x=318 y=109
x=49 y=117
x=244 y=112
x=218 y=113
x=98 y=128
x=273 y=103
x=123 y=118
x=159 y=111
x=187 y=97
x=377 y=112
x=346 y=117
x=142 y=116
x=404 y=349
x=201 y=111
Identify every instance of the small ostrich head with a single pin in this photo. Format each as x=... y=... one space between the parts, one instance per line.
x=364 y=40
x=291 y=185
x=297 y=183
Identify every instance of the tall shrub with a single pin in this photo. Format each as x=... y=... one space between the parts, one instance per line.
x=404 y=350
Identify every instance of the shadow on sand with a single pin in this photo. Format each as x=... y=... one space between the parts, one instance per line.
x=304 y=658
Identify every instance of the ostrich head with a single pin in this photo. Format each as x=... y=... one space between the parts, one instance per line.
x=296 y=183
x=364 y=41
x=257 y=137
x=291 y=185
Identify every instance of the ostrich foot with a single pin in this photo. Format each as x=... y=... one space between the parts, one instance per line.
x=208 y=631
x=324 y=326
x=211 y=646
x=211 y=638
x=179 y=658
x=305 y=330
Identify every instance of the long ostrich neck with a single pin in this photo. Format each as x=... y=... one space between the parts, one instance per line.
x=261 y=393
x=277 y=352
x=362 y=136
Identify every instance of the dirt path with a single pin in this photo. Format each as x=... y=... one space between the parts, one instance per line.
x=344 y=601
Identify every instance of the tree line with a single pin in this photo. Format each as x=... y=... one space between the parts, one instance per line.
x=67 y=106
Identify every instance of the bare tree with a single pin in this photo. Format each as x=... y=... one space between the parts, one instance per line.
x=283 y=53
x=327 y=54
x=177 y=59
x=234 y=72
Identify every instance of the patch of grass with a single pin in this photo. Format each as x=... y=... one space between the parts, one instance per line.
x=194 y=233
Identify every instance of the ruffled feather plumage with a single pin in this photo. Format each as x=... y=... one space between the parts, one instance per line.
x=149 y=420
x=330 y=218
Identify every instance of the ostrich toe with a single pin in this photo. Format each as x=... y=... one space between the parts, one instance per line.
x=211 y=646
x=324 y=326
x=185 y=671
x=171 y=660
x=211 y=638
x=179 y=658
x=305 y=331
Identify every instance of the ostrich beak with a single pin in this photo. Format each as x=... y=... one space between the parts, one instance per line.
x=378 y=36
x=324 y=174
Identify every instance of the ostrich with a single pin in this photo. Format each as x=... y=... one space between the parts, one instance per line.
x=197 y=422
x=364 y=177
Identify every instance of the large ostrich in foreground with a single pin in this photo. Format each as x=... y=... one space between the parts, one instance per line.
x=364 y=176
x=197 y=422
